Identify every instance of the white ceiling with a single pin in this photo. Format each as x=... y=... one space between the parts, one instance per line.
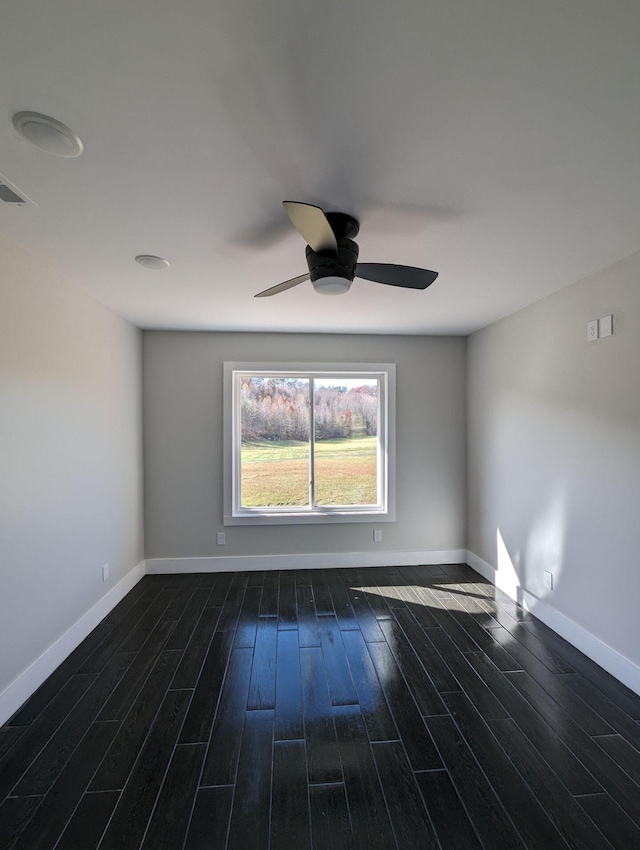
x=497 y=142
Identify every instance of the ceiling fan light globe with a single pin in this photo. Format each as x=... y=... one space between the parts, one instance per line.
x=332 y=285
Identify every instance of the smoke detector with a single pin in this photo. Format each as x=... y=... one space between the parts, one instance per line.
x=47 y=133
x=150 y=261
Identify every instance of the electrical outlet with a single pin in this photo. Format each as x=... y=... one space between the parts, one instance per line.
x=220 y=539
x=105 y=572
x=606 y=326
x=592 y=330
x=548 y=579
x=377 y=536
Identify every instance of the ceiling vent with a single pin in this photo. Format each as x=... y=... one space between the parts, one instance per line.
x=12 y=196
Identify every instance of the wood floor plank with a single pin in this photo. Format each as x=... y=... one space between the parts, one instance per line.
x=8 y=737
x=558 y=688
x=307 y=619
x=366 y=619
x=290 y=817
x=250 y=813
x=431 y=660
x=369 y=816
x=321 y=595
x=262 y=687
x=578 y=662
x=413 y=732
x=52 y=815
x=560 y=805
x=373 y=704
x=114 y=771
x=543 y=651
x=614 y=716
x=89 y=821
x=288 y=721
x=55 y=755
x=224 y=747
x=210 y=819
x=191 y=663
x=170 y=821
x=621 y=751
x=114 y=639
x=542 y=735
x=256 y=578
x=287 y=609
x=128 y=825
x=524 y=657
x=610 y=775
x=69 y=667
x=330 y=821
x=451 y=822
x=345 y=615
x=220 y=590
x=270 y=594
x=341 y=688
x=319 y=731
x=123 y=696
x=418 y=680
x=487 y=814
x=232 y=603
x=27 y=748
x=375 y=599
x=182 y=633
x=197 y=725
x=248 y=618
x=409 y=818
x=179 y=604
x=139 y=634
x=622 y=832
x=534 y=825
x=15 y=813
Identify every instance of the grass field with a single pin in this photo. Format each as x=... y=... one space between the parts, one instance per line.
x=277 y=473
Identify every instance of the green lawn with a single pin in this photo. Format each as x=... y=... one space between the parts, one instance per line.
x=277 y=473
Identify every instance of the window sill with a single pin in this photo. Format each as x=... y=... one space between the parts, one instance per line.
x=309 y=517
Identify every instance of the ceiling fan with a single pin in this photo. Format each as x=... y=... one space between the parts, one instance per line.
x=332 y=255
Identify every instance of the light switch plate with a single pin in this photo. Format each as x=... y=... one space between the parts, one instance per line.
x=592 y=330
x=606 y=326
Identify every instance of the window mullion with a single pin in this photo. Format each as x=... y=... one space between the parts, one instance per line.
x=312 y=443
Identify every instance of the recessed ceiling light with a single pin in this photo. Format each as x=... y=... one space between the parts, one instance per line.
x=47 y=133
x=149 y=261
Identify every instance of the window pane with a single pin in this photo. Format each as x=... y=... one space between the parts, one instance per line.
x=274 y=455
x=346 y=444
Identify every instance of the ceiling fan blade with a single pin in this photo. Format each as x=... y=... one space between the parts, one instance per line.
x=313 y=225
x=389 y=273
x=282 y=287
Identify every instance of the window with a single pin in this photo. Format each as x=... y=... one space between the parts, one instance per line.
x=308 y=443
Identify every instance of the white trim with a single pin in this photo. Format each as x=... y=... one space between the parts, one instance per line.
x=19 y=691
x=621 y=667
x=318 y=561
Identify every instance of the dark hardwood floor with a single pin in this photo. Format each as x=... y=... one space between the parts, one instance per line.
x=373 y=708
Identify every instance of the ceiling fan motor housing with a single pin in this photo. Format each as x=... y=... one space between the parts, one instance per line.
x=327 y=265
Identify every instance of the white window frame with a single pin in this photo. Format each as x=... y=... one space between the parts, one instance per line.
x=384 y=511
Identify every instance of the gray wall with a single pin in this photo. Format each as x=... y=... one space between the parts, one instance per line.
x=183 y=419
x=70 y=455
x=554 y=451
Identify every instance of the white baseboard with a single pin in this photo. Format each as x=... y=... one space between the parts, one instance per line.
x=328 y=560
x=621 y=667
x=19 y=691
